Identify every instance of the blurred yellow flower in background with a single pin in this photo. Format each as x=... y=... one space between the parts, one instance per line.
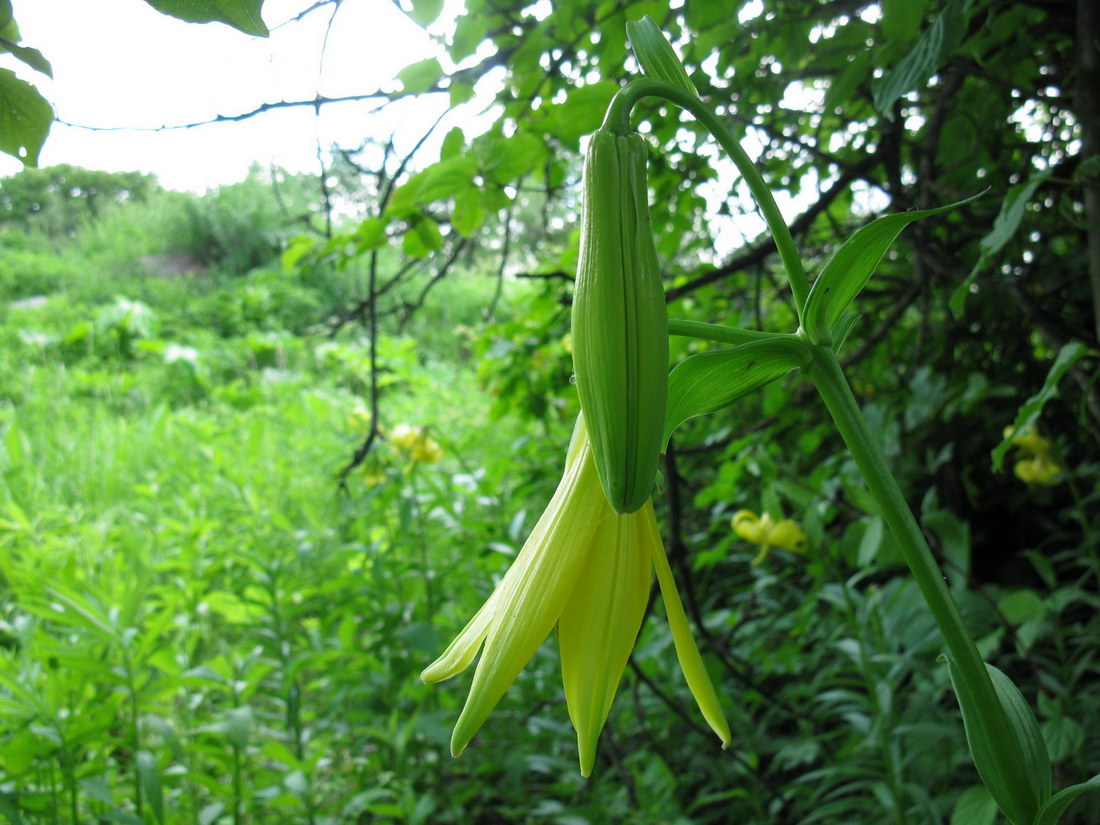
x=1038 y=467
x=416 y=443
x=767 y=533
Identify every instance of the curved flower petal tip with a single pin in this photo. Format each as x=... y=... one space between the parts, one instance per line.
x=691 y=663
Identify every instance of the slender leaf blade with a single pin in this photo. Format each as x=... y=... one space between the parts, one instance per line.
x=1028 y=414
x=851 y=266
x=709 y=381
x=1052 y=811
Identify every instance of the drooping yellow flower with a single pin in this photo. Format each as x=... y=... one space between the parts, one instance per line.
x=588 y=571
x=766 y=532
x=1038 y=467
x=1029 y=441
x=1040 y=470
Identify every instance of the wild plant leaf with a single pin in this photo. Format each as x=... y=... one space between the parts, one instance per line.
x=850 y=267
x=1029 y=413
x=709 y=381
x=932 y=50
x=32 y=57
x=25 y=118
x=1019 y=801
x=243 y=15
x=974 y=807
x=149 y=776
x=1052 y=811
x=1004 y=229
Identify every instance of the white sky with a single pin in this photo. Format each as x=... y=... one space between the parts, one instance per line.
x=120 y=63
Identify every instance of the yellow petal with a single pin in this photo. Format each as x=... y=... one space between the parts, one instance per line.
x=691 y=663
x=600 y=624
x=459 y=653
x=749 y=526
x=535 y=589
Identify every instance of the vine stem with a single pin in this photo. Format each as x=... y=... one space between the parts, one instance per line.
x=828 y=377
x=618 y=120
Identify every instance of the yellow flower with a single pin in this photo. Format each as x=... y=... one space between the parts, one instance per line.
x=1039 y=470
x=588 y=571
x=767 y=533
x=1029 y=441
x=416 y=443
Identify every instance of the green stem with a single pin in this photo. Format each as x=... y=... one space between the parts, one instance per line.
x=618 y=120
x=971 y=670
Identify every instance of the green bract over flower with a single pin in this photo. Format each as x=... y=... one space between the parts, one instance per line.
x=588 y=571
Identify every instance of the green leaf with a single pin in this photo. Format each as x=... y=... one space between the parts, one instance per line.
x=470 y=30
x=32 y=57
x=581 y=113
x=1028 y=748
x=656 y=55
x=25 y=118
x=1064 y=737
x=441 y=180
x=243 y=15
x=933 y=49
x=511 y=158
x=371 y=234
x=974 y=807
x=423 y=237
x=5 y=13
x=1028 y=414
x=149 y=776
x=421 y=76
x=238 y=726
x=850 y=267
x=454 y=144
x=1052 y=811
x=901 y=19
x=425 y=12
x=709 y=381
x=469 y=212
x=1004 y=228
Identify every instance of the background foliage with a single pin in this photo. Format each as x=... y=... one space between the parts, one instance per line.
x=197 y=625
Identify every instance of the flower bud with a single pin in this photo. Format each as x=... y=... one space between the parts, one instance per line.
x=620 y=326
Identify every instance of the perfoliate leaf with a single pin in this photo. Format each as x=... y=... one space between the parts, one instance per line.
x=1052 y=811
x=1028 y=750
x=709 y=381
x=846 y=272
x=933 y=49
x=243 y=15
x=25 y=118
x=655 y=54
x=1029 y=412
